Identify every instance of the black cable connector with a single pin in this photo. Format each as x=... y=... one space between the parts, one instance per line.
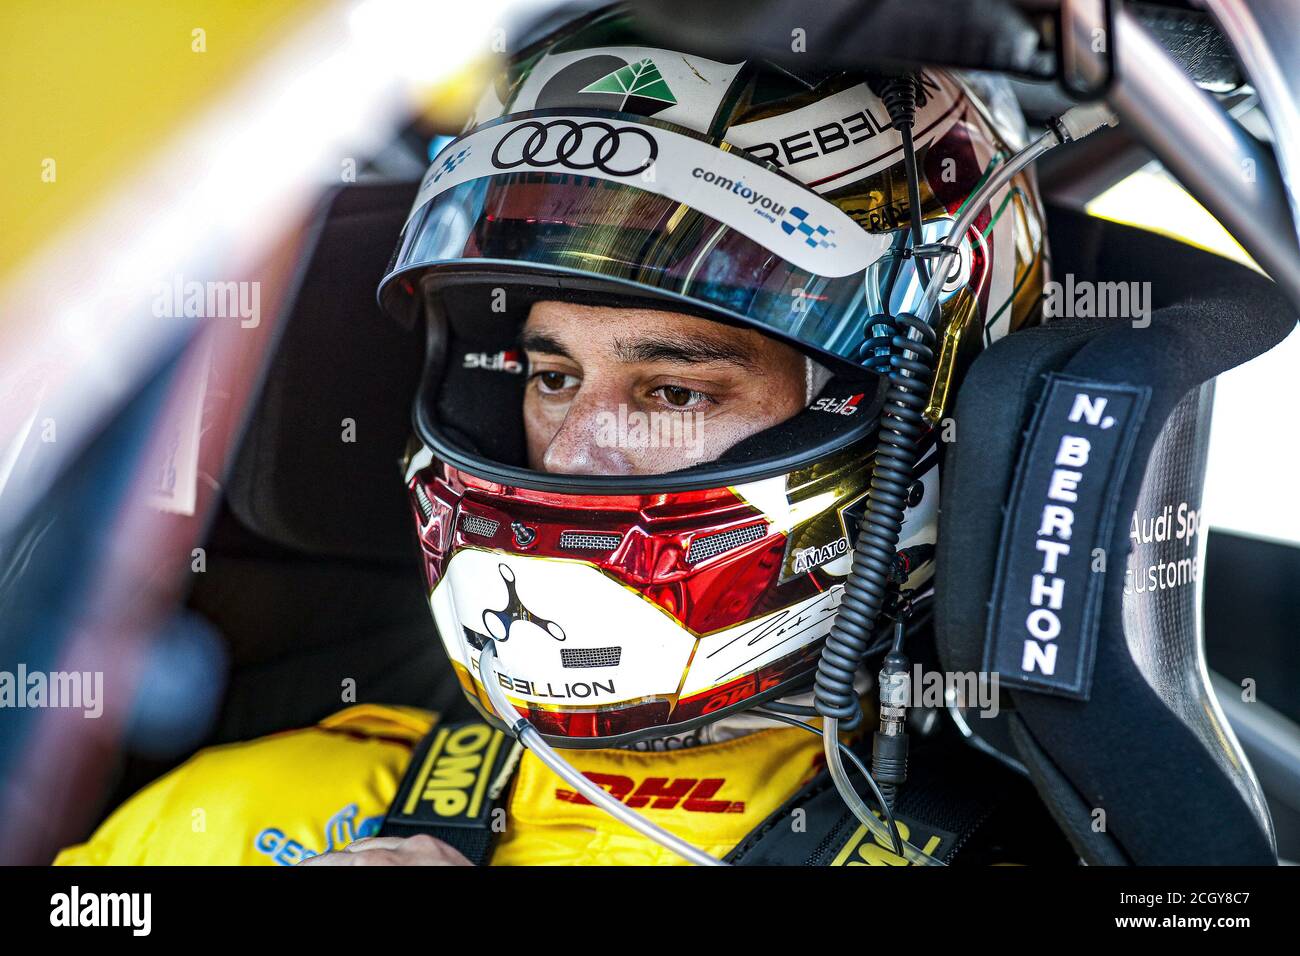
x=889 y=747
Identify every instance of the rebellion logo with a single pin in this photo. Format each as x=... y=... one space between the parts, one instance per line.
x=690 y=794
x=565 y=690
x=614 y=150
x=499 y=623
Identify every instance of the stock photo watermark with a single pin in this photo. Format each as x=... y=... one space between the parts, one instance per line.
x=634 y=429
x=193 y=299
x=68 y=690
x=1085 y=299
x=976 y=691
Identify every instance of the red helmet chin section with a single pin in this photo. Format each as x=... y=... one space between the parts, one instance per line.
x=617 y=617
x=662 y=717
x=708 y=558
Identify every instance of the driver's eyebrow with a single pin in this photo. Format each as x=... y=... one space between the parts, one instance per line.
x=547 y=344
x=681 y=350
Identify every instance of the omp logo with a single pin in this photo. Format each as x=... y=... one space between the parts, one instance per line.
x=838 y=406
x=454 y=776
x=508 y=361
x=866 y=849
x=614 y=150
x=690 y=794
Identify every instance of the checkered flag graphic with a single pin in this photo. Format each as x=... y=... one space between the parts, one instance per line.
x=818 y=237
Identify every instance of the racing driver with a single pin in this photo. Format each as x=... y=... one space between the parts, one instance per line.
x=638 y=538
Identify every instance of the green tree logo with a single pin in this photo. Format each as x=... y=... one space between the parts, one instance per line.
x=641 y=79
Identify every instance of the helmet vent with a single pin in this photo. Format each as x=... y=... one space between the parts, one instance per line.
x=422 y=499
x=590 y=656
x=476 y=524
x=711 y=545
x=590 y=541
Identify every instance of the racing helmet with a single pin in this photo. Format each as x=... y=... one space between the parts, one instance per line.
x=602 y=169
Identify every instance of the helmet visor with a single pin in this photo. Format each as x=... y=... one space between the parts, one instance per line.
x=632 y=203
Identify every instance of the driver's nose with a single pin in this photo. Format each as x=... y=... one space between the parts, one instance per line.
x=587 y=442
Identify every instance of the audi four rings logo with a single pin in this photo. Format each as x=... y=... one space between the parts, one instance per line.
x=614 y=150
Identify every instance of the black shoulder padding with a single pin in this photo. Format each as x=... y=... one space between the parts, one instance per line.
x=1124 y=749
x=340 y=370
x=992 y=411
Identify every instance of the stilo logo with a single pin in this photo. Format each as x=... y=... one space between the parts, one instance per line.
x=818 y=237
x=838 y=406
x=501 y=362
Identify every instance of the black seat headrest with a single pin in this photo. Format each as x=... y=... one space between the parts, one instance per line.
x=318 y=470
x=1116 y=733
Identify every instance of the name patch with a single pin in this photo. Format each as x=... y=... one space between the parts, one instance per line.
x=1059 y=521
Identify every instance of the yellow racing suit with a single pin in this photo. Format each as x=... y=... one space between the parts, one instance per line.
x=282 y=798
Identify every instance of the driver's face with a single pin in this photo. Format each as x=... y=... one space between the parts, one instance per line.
x=615 y=391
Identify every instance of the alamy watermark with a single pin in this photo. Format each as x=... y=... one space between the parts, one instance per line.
x=655 y=429
x=133 y=911
x=973 y=690
x=1084 y=299
x=72 y=690
x=209 y=300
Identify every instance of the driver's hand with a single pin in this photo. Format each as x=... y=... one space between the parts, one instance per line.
x=419 y=850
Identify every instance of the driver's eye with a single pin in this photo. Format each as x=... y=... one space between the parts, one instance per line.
x=678 y=396
x=551 y=381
